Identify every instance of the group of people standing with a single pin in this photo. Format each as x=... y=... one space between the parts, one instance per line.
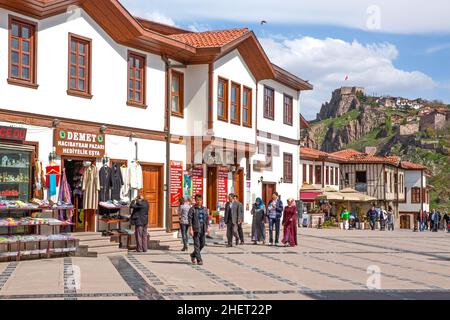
x=275 y=215
x=194 y=221
x=386 y=218
x=432 y=221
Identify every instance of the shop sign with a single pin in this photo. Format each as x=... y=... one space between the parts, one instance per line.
x=222 y=186
x=79 y=143
x=197 y=180
x=13 y=133
x=176 y=182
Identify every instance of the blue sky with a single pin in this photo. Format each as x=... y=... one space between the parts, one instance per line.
x=401 y=48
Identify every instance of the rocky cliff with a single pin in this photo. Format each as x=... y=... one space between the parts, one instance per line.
x=336 y=137
x=342 y=100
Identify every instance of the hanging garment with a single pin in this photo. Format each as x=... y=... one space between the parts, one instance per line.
x=116 y=182
x=39 y=180
x=105 y=183
x=52 y=184
x=124 y=191
x=49 y=170
x=136 y=176
x=91 y=187
x=65 y=196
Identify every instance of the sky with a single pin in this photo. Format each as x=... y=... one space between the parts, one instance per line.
x=397 y=48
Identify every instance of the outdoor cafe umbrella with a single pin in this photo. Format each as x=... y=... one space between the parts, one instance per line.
x=352 y=195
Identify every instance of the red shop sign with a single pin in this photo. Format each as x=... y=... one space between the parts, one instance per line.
x=197 y=180
x=222 y=185
x=176 y=182
x=13 y=133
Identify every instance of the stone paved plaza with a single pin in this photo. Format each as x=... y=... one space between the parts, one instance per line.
x=328 y=264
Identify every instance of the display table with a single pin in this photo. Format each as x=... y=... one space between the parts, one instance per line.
x=18 y=246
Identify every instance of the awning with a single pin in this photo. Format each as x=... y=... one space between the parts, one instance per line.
x=309 y=196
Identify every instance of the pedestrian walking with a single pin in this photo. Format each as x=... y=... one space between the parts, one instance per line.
x=447 y=221
x=274 y=212
x=231 y=220
x=258 y=222
x=139 y=218
x=383 y=218
x=290 y=224
x=198 y=228
x=434 y=221
x=390 y=219
x=421 y=219
x=372 y=217
x=240 y=215
x=183 y=213
x=345 y=215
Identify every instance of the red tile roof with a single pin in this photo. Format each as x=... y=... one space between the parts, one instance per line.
x=354 y=156
x=412 y=166
x=210 y=39
x=346 y=154
x=312 y=152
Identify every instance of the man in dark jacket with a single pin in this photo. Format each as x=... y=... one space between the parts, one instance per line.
x=198 y=228
x=139 y=218
x=274 y=212
x=230 y=220
x=372 y=215
x=239 y=209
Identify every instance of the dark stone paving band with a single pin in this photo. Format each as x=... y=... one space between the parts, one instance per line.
x=134 y=280
x=70 y=289
x=153 y=278
x=320 y=294
x=218 y=279
x=423 y=253
x=64 y=296
x=419 y=283
x=6 y=274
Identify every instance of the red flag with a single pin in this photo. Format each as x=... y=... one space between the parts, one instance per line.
x=346 y=77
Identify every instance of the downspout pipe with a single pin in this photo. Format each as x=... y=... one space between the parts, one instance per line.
x=167 y=129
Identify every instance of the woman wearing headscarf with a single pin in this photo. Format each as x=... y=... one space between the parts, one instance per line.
x=289 y=224
x=258 y=226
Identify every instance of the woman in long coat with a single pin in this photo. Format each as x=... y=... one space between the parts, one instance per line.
x=258 y=226
x=290 y=224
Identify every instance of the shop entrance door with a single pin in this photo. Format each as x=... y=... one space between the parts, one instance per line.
x=153 y=193
x=268 y=188
x=405 y=222
x=211 y=183
x=239 y=184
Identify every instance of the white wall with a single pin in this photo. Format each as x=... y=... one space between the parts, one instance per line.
x=233 y=68
x=413 y=179
x=312 y=180
x=277 y=126
x=109 y=77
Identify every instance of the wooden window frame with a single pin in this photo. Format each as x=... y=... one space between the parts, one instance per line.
x=87 y=93
x=311 y=176
x=288 y=171
x=288 y=110
x=416 y=191
x=134 y=103
x=318 y=174
x=180 y=112
x=224 y=100
x=271 y=114
x=336 y=176
x=247 y=107
x=327 y=175
x=32 y=83
x=238 y=103
x=304 y=174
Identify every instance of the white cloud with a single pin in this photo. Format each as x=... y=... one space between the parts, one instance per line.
x=399 y=16
x=326 y=62
x=438 y=48
x=159 y=17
